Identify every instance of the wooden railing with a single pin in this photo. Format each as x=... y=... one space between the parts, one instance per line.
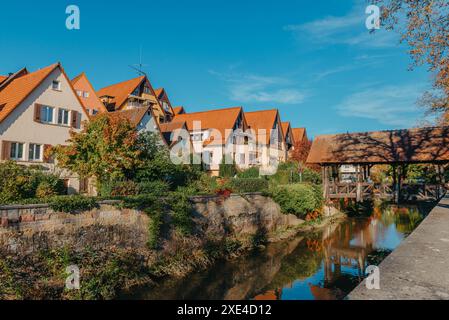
x=363 y=191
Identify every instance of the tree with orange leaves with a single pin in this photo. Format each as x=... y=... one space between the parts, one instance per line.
x=301 y=150
x=107 y=148
x=424 y=25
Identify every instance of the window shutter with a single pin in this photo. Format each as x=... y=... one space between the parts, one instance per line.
x=5 y=150
x=47 y=155
x=74 y=119
x=37 y=112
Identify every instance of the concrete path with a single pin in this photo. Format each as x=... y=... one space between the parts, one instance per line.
x=419 y=267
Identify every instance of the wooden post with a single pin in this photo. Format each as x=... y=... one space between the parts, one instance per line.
x=325 y=182
x=359 y=184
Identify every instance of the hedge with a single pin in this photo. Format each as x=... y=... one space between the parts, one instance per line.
x=298 y=199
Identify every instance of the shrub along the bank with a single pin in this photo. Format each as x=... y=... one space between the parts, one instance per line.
x=298 y=199
x=252 y=172
x=18 y=183
x=72 y=204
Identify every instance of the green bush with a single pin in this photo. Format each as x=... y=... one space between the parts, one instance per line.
x=252 y=172
x=227 y=170
x=249 y=185
x=154 y=187
x=298 y=199
x=72 y=204
x=118 y=188
x=311 y=176
x=206 y=184
x=18 y=183
x=181 y=210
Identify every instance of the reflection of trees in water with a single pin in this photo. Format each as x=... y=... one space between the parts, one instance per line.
x=301 y=264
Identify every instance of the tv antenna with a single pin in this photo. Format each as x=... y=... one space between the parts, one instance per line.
x=139 y=67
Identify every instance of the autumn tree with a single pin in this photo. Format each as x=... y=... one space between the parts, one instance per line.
x=107 y=148
x=424 y=26
x=301 y=150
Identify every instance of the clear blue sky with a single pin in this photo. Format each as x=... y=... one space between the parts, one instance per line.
x=313 y=60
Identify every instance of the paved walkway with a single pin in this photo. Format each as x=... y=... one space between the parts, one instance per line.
x=419 y=267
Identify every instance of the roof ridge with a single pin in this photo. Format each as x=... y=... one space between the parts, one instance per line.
x=122 y=82
x=214 y=110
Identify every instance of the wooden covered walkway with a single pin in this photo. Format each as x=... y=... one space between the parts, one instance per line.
x=363 y=151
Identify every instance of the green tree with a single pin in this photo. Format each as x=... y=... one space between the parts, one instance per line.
x=107 y=148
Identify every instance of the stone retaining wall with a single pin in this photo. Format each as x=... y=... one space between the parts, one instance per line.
x=30 y=228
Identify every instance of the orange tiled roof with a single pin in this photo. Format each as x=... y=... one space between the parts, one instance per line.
x=220 y=120
x=299 y=134
x=19 y=89
x=285 y=128
x=260 y=120
x=179 y=110
x=159 y=92
x=134 y=115
x=396 y=146
x=172 y=126
x=2 y=78
x=93 y=102
x=120 y=91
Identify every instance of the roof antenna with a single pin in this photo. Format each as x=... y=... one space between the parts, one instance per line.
x=139 y=67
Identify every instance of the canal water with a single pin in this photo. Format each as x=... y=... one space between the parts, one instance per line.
x=326 y=265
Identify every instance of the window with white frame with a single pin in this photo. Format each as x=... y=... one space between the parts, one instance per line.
x=16 y=151
x=63 y=117
x=79 y=93
x=94 y=112
x=47 y=114
x=56 y=85
x=86 y=94
x=35 y=152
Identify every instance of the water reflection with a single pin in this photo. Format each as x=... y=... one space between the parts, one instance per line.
x=323 y=266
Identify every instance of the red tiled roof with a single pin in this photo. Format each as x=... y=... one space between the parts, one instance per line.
x=20 y=88
x=120 y=91
x=381 y=147
x=260 y=120
x=220 y=120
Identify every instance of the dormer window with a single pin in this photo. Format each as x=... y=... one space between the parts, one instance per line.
x=56 y=85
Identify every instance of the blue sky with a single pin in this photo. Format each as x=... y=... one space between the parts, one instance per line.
x=313 y=60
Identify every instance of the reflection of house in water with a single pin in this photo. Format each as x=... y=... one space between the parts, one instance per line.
x=348 y=246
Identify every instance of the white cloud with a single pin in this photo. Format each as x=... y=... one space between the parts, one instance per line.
x=389 y=105
x=347 y=30
x=265 y=89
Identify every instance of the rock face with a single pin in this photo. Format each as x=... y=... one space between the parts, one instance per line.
x=29 y=229
x=242 y=215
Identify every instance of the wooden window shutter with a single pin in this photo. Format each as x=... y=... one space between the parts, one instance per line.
x=37 y=112
x=47 y=153
x=5 y=150
x=74 y=119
